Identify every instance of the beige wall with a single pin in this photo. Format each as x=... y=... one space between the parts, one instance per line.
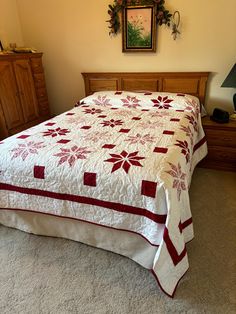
x=74 y=37
x=10 y=28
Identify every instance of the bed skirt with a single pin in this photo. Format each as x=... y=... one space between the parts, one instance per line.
x=122 y=242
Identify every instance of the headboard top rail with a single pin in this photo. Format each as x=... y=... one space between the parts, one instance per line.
x=193 y=83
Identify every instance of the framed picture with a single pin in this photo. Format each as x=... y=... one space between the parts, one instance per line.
x=139 y=28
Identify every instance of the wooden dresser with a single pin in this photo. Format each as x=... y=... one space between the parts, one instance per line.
x=221 y=141
x=23 y=95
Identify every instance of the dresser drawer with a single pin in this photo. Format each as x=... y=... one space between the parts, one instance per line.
x=41 y=93
x=25 y=126
x=44 y=108
x=39 y=80
x=222 y=154
x=36 y=65
x=220 y=158
x=221 y=138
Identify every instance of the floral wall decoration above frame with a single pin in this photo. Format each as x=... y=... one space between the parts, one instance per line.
x=139 y=21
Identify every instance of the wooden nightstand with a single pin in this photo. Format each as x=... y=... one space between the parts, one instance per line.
x=221 y=142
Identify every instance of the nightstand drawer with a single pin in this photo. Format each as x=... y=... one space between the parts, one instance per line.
x=221 y=138
x=222 y=154
x=221 y=142
x=220 y=158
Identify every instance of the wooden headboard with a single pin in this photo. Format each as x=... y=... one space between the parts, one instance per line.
x=193 y=83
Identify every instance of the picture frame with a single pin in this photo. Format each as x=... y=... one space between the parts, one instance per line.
x=139 y=28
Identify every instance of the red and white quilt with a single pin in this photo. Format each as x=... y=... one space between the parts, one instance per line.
x=118 y=159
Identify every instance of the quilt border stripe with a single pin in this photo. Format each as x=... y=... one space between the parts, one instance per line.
x=161 y=219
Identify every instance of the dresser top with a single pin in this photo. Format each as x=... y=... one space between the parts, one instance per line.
x=209 y=124
x=18 y=55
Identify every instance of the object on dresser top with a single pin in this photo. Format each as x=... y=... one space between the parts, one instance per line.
x=24 y=50
x=221 y=142
x=220 y=116
x=233 y=116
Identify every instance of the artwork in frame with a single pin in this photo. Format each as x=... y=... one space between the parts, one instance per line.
x=139 y=28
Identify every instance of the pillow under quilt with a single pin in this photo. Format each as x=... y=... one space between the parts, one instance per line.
x=159 y=100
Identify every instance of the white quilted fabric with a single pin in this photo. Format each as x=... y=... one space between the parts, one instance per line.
x=120 y=160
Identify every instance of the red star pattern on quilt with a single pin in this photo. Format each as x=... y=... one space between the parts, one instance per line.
x=192 y=121
x=142 y=139
x=76 y=120
x=24 y=150
x=112 y=123
x=185 y=149
x=131 y=102
x=193 y=106
x=96 y=136
x=179 y=178
x=92 y=111
x=102 y=101
x=162 y=102
x=56 y=132
x=159 y=114
x=150 y=124
x=188 y=132
x=125 y=160
x=71 y=155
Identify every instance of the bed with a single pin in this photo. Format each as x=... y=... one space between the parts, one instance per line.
x=114 y=171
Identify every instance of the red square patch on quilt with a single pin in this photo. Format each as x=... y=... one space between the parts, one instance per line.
x=50 y=124
x=39 y=172
x=90 y=179
x=22 y=137
x=149 y=188
x=161 y=150
x=63 y=141
x=166 y=132
x=124 y=130
x=109 y=146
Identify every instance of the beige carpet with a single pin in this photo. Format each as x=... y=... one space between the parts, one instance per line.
x=49 y=275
